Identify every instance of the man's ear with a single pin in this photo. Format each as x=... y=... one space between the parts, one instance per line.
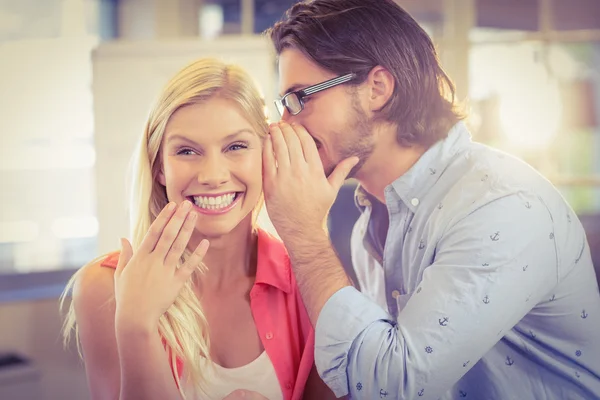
x=381 y=87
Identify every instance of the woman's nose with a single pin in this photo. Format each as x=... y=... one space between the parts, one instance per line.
x=213 y=172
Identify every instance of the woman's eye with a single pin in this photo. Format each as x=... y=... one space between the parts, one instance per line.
x=237 y=146
x=185 y=152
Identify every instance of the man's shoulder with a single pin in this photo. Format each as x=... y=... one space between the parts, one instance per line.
x=482 y=175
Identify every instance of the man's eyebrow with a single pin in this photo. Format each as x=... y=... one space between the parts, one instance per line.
x=293 y=88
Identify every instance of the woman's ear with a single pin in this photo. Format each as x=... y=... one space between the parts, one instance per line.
x=161 y=177
x=381 y=87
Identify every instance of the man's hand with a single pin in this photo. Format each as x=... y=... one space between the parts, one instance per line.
x=298 y=195
x=244 y=395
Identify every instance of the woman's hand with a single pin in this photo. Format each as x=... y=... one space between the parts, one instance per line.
x=148 y=281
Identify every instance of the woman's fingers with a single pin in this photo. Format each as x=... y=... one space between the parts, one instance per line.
x=124 y=256
x=183 y=237
x=193 y=261
x=171 y=230
x=157 y=227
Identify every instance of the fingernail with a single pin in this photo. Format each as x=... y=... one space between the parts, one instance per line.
x=186 y=205
x=171 y=206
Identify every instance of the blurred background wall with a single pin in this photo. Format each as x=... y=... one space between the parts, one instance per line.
x=77 y=78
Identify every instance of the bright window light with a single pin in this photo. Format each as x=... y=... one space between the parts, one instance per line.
x=75 y=227
x=18 y=231
x=211 y=20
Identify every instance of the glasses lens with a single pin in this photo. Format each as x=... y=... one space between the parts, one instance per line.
x=293 y=103
x=280 y=107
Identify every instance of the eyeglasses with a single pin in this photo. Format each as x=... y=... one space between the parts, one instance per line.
x=294 y=101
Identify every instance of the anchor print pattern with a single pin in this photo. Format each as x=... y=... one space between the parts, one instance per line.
x=532 y=334
x=494 y=239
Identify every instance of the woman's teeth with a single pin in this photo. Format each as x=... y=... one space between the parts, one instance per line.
x=214 y=203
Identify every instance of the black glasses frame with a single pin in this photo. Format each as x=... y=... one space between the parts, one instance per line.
x=283 y=103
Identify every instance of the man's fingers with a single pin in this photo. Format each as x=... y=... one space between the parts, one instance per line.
x=338 y=176
x=180 y=244
x=269 y=167
x=309 y=147
x=157 y=227
x=124 y=256
x=280 y=149
x=296 y=154
x=193 y=261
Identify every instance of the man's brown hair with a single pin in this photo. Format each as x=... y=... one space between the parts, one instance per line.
x=345 y=36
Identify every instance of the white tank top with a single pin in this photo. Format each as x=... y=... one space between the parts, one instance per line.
x=258 y=376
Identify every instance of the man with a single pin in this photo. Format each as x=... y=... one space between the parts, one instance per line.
x=476 y=276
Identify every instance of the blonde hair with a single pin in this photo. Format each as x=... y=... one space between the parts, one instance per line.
x=183 y=327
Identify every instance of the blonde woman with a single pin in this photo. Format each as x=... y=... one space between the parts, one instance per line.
x=201 y=303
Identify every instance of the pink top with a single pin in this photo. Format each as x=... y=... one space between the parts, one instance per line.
x=280 y=316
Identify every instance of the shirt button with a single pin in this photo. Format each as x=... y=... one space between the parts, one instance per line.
x=395 y=294
x=414 y=202
x=269 y=335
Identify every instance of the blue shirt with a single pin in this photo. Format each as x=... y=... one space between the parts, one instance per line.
x=484 y=289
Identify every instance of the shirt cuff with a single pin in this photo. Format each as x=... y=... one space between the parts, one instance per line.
x=344 y=316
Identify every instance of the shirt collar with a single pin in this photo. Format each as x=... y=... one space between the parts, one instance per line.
x=421 y=177
x=273 y=265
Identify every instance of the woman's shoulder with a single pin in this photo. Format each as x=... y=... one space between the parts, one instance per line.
x=92 y=282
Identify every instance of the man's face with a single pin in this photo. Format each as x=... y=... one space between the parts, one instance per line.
x=334 y=117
